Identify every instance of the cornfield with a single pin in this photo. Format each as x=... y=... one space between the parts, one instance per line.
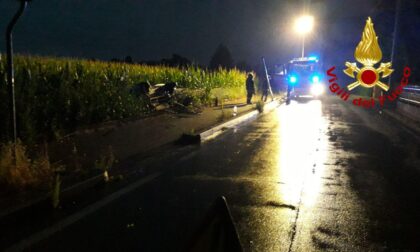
x=58 y=95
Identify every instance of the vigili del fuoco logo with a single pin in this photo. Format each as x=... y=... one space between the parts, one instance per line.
x=368 y=53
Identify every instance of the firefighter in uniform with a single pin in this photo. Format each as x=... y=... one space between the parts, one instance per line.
x=250 y=89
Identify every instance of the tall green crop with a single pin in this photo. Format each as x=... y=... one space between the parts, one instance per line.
x=58 y=95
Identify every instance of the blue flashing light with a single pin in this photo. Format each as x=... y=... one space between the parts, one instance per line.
x=313 y=58
x=292 y=79
x=315 y=79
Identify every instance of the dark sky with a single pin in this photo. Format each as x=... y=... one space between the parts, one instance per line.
x=153 y=29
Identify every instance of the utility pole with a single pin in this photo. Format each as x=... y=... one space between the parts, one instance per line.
x=394 y=34
x=303 y=46
x=268 y=79
x=11 y=72
x=376 y=92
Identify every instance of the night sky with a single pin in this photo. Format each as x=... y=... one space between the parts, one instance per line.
x=154 y=29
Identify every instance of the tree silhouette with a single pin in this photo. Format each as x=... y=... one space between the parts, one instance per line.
x=244 y=66
x=128 y=59
x=221 y=58
x=176 y=61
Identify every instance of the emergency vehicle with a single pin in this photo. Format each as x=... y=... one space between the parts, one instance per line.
x=304 y=78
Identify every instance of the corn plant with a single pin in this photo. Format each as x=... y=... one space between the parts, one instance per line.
x=55 y=96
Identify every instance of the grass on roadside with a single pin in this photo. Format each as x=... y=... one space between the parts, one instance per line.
x=22 y=173
x=106 y=162
x=224 y=115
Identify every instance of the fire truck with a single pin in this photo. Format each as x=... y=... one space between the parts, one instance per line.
x=304 y=78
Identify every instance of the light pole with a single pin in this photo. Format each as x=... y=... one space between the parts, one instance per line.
x=304 y=25
x=10 y=69
x=394 y=34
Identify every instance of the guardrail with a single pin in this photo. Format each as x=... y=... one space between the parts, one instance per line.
x=410 y=95
x=409 y=102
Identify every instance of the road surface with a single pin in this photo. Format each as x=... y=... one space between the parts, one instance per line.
x=310 y=176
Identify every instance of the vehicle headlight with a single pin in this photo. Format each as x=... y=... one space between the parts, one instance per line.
x=317 y=89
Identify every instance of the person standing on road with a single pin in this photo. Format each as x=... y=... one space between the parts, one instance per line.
x=250 y=89
x=264 y=90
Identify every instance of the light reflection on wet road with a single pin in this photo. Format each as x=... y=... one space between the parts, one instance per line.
x=302 y=153
x=286 y=178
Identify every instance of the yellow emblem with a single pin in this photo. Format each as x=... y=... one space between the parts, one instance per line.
x=368 y=53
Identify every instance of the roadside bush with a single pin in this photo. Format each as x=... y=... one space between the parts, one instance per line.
x=23 y=173
x=260 y=106
x=55 y=96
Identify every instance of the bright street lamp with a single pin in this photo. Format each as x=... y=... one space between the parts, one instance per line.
x=304 y=25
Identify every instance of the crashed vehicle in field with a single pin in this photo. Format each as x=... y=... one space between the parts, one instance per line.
x=154 y=94
x=304 y=78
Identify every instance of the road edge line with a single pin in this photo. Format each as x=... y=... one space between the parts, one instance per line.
x=215 y=131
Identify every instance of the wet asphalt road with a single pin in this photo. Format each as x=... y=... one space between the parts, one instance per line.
x=310 y=176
